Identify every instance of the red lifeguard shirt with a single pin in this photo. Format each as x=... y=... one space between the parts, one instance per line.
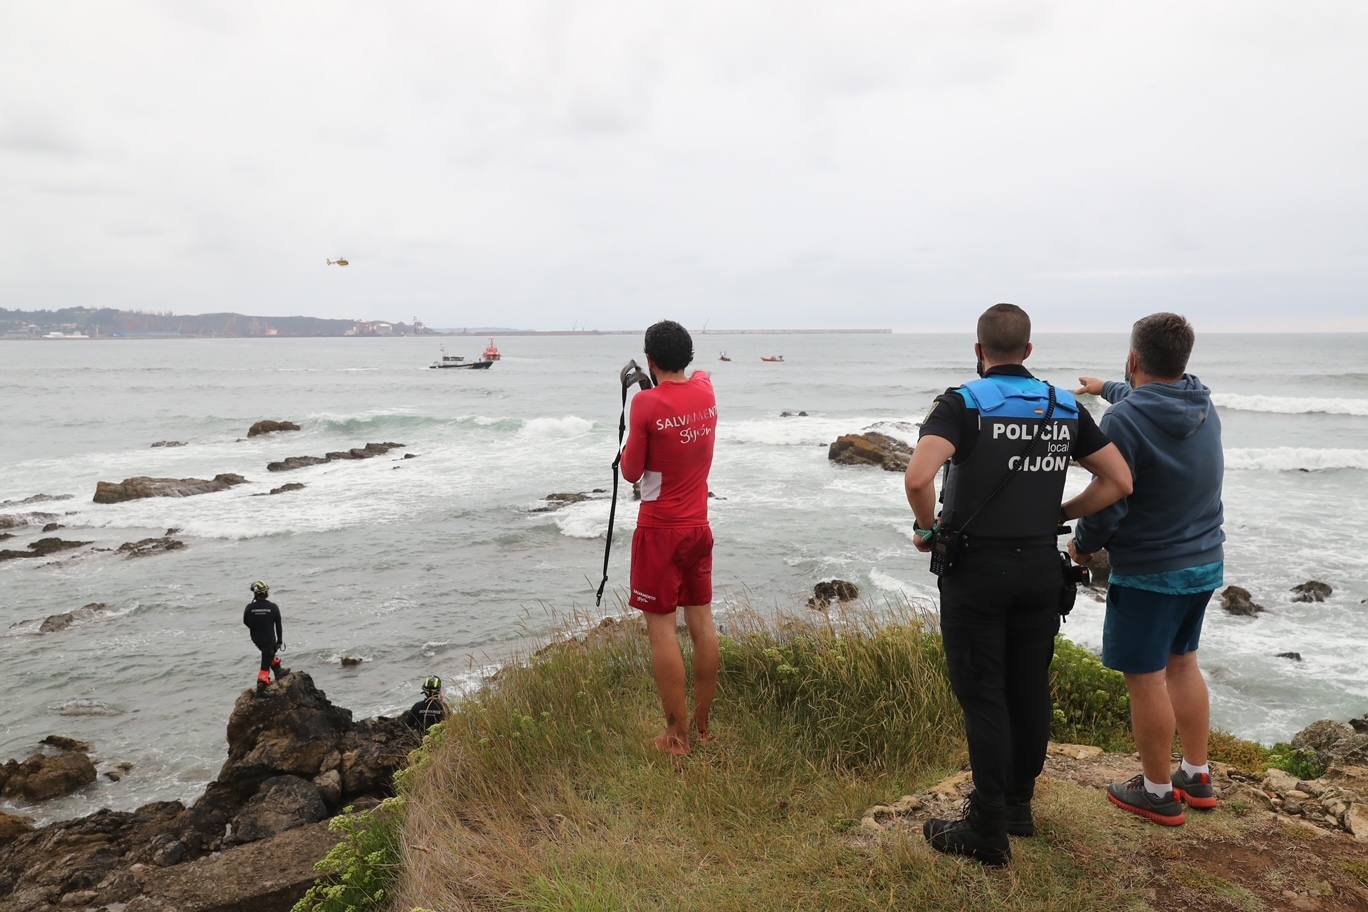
x=670 y=450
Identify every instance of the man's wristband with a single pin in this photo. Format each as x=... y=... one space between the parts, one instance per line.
x=924 y=534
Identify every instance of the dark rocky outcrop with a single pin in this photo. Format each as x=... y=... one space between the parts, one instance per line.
x=249 y=842
x=1311 y=591
x=270 y=427
x=53 y=527
x=34 y=499
x=836 y=590
x=283 y=489
x=351 y=661
x=12 y=825
x=787 y=414
x=366 y=452
x=1237 y=600
x=871 y=448
x=1294 y=656
x=62 y=742
x=42 y=548
x=148 y=546
x=110 y=492
x=55 y=622
x=168 y=443
x=45 y=776
x=566 y=498
x=20 y=520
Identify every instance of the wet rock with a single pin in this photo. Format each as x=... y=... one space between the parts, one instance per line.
x=45 y=776
x=34 y=499
x=283 y=489
x=282 y=803
x=351 y=661
x=559 y=500
x=1294 y=656
x=109 y=492
x=836 y=590
x=42 y=548
x=1311 y=591
x=788 y=414
x=55 y=622
x=871 y=448
x=21 y=520
x=12 y=825
x=62 y=742
x=168 y=443
x=366 y=452
x=119 y=771
x=149 y=546
x=410 y=455
x=1237 y=600
x=270 y=427
x=53 y=527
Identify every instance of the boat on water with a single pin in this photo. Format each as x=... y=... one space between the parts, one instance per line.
x=491 y=352
x=773 y=359
x=723 y=357
x=457 y=361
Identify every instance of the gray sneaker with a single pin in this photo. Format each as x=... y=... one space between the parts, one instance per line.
x=1132 y=796
x=1195 y=791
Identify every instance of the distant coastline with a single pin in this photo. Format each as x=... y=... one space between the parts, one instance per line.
x=82 y=324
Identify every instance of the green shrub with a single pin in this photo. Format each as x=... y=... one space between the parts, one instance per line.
x=1091 y=705
x=1303 y=764
x=356 y=875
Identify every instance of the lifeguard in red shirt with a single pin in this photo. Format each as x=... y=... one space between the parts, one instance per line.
x=670 y=451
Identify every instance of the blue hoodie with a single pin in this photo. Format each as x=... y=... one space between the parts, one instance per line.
x=1170 y=435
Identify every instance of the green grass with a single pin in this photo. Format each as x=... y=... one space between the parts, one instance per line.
x=543 y=791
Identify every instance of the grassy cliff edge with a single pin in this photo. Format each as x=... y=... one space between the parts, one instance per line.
x=542 y=792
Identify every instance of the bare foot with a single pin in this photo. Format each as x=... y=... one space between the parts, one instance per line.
x=673 y=745
x=704 y=735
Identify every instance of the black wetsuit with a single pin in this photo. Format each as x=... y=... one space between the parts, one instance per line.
x=262 y=618
x=424 y=714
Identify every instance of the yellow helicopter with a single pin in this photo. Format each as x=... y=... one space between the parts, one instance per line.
x=340 y=261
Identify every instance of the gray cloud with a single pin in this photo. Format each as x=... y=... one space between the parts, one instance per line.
x=545 y=163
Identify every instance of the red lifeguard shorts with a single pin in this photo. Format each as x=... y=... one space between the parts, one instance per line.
x=671 y=567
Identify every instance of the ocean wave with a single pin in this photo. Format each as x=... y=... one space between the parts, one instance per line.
x=1292 y=405
x=1291 y=459
x=589 y=519
x=811 y=431
x=556 y=428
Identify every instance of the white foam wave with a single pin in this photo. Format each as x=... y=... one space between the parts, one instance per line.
x=589 y=519
x=556 y=428
x=1291 y=459
x=1292 y=405
x=811 y=431
x=889 y=583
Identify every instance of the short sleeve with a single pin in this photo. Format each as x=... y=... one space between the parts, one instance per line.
x=946 y=418
x=1090 y=436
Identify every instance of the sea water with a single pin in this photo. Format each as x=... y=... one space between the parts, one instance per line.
x=441 y=565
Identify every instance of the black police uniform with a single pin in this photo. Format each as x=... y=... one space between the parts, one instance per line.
x=1000 y=600
x=424 y=714
x=262 y=618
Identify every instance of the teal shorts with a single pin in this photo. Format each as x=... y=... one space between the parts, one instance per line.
x=1142 y=628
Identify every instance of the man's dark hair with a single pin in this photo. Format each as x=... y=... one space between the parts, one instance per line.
x=1004 y=331
x=669 y=345
x=1163 y=343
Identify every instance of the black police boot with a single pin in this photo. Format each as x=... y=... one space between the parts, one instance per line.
x=974 y=835
x=1019 y=819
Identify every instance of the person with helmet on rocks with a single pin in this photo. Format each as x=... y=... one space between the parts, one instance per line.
x=430 y=710
x=262 y=618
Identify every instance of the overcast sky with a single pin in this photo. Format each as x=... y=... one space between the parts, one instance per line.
x=744 y=164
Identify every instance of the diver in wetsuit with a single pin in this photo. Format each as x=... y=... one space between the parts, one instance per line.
x=262 y=618
x=428 y=711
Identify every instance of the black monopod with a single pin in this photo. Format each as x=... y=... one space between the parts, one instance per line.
x=631 y=373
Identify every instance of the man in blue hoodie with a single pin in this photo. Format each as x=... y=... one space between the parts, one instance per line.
x=1165 y=542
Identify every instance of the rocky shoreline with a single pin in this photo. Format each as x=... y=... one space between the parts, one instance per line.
x=294 y=761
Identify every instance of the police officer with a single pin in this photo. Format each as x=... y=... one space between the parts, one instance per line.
x=1008 y=439
x=430 y=710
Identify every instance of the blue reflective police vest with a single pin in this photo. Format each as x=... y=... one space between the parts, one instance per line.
x=1011 y=410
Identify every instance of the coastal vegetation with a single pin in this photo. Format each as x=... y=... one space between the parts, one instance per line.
x=542 y=790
